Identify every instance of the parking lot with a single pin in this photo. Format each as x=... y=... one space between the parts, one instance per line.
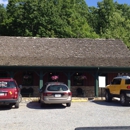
x=79 y=116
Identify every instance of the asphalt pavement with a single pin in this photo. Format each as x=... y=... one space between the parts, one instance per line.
x=87 y=115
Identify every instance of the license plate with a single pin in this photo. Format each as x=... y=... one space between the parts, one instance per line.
x=2 y=94
x=57 y=95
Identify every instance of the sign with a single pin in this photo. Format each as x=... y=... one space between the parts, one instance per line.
x=102 y=81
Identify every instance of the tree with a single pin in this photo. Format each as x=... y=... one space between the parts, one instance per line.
x=49 y=18
x=3 y=16
x=105 y=11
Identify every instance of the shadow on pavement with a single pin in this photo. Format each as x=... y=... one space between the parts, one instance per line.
x=5 y=107
x=104 y=128
x=112 y=103
x=36 y=105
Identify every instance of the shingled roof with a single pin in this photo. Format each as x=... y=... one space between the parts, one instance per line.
x=83 y=52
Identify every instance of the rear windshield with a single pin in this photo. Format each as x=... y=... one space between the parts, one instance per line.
x=9 y=84
x=57 y=88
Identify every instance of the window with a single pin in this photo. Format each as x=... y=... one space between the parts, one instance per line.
x=53 y=77
x=27 y=78
x=10 y=84
x=127 y=81
x=57 y=88
x=116 y=81
x=3 y=74
x=78 y=79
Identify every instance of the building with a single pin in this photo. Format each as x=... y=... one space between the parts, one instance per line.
x=76 y=61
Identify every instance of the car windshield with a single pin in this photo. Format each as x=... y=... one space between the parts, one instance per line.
x=10 y=84
x=57 y=88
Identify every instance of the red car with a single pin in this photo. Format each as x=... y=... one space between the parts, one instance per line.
x=9 y=92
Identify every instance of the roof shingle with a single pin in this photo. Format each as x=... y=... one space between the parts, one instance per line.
x=32 y=51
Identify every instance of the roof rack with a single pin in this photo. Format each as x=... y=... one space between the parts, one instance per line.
x=123 y=74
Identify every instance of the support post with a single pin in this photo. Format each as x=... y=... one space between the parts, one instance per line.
x=96 y=83
x=41 y=80
x=69 y=81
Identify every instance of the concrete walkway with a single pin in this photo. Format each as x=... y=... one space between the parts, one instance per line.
x=74 y=99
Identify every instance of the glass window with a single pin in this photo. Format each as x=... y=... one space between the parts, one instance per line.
x=10 y=84
x=3 y=74
x=127 y=81
x=57 y=88
x=78 y=79
x=116 y=81
x=27 y=78
x=53 y=77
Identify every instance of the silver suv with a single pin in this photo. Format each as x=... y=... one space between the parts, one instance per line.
x=55 y=93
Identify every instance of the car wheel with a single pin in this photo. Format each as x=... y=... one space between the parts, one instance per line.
x=17 y=105
x=39 y=101
x=68 y=104
x=10 y=106
x=108 y=96
x=123 y=100
x=20 y=98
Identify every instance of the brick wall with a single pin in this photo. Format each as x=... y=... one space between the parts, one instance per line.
x=88 y=91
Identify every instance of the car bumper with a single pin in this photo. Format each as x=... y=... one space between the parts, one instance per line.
x=7 y=101
x=56 y=101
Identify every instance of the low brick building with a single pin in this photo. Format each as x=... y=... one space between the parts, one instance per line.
x=76 y=61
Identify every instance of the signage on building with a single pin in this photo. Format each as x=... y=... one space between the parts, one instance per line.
x=102 y=81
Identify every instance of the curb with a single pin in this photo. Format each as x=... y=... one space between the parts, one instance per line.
x=74 y=99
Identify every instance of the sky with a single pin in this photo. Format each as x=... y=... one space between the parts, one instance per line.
x=89 y=2
x=94 y=2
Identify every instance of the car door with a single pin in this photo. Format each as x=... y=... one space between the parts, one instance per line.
x=117 y=85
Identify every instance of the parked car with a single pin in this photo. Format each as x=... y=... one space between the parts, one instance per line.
x=9 y=92
x=119 y=87
x=55 y=93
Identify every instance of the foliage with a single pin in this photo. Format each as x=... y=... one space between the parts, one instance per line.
x=65 y=19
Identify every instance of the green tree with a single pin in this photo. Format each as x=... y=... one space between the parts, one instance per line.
x=119 y=24
x=3 y=16
x=49 y=18
x=105 y=12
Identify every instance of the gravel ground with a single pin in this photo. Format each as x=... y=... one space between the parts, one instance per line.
x=59 y=117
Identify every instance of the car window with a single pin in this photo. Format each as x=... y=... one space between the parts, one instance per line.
x=57 y=88
x=116 y=81
x=5 y=84
x=127 y=81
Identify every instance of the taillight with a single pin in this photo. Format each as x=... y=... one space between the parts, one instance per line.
x=47 y=94
x=68 y=93
x=128 y=87
x=15 y=94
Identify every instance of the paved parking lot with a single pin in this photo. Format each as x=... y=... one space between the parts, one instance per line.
x=80 y=116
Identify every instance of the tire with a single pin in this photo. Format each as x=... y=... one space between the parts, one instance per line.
x=10 y=106
x=20 y=98
x=17 y=105
x=123 y=100
x=68 y=104
x=108 y=97
x=39 y=101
